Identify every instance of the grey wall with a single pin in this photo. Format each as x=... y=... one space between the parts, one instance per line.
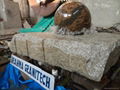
x=104 y=13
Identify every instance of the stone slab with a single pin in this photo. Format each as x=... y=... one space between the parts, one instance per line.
x=24 y=8
x=29 y=44
x=89 y=55
x=10 y=13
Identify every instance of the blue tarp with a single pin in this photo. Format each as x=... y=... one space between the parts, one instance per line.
x=13 y=74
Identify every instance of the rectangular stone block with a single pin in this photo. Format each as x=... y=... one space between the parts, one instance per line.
x=54 y=55
x=10 y=13
x=89 y=55
x=21 y=45
x=35 y=48
x=30 y=44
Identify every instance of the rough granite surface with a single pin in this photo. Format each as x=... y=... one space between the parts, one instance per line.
x=89 y=55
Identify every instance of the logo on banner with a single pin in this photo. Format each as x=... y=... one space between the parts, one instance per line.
x=45 y=79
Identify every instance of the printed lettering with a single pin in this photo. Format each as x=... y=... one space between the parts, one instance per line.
x=48 y=82
x=36 y=74
x=41 y=80
x=26 y=68
x=44 y=79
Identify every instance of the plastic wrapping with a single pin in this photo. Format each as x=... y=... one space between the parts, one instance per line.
x=43 y=25
x=73 y=16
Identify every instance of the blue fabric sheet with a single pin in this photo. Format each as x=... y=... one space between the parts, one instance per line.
x=13 y=74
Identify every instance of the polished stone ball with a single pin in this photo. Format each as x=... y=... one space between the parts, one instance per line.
x=73 y=15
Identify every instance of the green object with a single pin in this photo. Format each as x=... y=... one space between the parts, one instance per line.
x=42 y=26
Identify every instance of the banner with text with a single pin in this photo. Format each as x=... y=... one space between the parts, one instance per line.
x=45 y=79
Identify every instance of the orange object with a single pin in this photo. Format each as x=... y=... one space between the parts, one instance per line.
x=44 y=10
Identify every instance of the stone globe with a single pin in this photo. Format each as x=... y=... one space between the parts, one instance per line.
x=73 y=15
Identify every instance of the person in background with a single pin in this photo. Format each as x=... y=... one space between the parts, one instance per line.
x=46 y=9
